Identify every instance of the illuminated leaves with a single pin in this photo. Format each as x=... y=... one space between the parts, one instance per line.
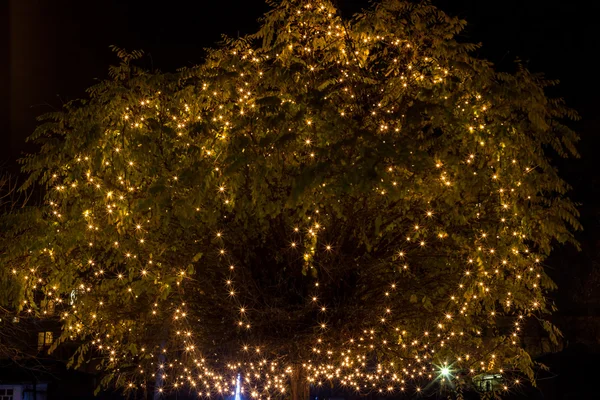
x=319 y=150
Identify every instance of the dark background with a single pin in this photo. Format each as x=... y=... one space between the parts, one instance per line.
x=52 y=50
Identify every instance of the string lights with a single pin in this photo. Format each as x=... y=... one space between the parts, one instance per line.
x=357 y=203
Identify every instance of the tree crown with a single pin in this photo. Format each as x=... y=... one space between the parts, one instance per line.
x=360 y=197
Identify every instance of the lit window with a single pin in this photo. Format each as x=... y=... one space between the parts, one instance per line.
x=44 y=340
x=6 y=394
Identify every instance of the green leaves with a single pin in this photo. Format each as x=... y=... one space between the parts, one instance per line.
x=328 y=177
x=197 y=257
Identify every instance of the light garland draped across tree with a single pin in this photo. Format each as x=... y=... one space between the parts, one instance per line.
x=328 y=201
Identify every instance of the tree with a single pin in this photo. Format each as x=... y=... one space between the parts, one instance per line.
x=354 y=202
x=16 y=349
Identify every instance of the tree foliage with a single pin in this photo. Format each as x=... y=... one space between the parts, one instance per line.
x=362 y=199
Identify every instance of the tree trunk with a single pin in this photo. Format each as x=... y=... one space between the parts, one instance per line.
x=299 y=384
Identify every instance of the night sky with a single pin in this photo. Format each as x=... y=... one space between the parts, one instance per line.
x=52 y=50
